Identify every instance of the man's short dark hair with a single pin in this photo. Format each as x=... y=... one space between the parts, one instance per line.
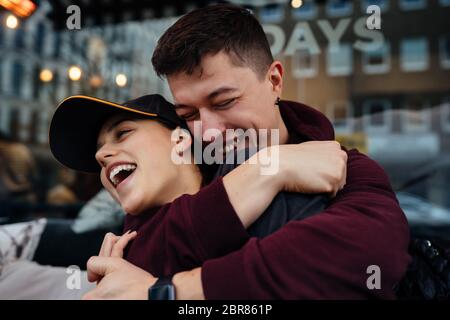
x=210 y=30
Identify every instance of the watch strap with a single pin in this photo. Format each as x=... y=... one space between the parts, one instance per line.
x=163 y=289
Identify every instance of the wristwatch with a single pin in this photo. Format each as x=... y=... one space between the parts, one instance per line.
x=163 y=289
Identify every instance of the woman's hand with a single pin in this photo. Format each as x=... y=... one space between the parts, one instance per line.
x=119 y=279
x=312 y=167
x=113 y=246
x=309 y=167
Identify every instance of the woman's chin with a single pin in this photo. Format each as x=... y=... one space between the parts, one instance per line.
x=137 y=204
x=133 y=210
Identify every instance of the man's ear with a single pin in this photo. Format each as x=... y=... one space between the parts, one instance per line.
x=275 y=76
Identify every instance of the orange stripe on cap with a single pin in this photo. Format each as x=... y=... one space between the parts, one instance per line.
x=112 y=104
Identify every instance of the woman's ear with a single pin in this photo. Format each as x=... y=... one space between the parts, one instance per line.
x=181 y=145
x=183 y=139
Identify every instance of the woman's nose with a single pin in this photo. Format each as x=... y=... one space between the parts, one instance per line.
x=105 y=152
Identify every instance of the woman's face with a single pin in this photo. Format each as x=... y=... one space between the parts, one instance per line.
x=136 y=167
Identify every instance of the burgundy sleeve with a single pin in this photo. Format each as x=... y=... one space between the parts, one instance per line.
x=215 y=226
x=327 y=255
x=190 y=230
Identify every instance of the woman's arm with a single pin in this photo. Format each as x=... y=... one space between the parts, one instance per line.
x=195 y=228
x=310 y=167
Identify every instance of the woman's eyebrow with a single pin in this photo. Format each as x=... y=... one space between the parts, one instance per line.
x=116 y=123
x=110 y=128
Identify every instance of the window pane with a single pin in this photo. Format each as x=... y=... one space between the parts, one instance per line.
x=272 y=14
x=414 y=54
x=305 y=65
x=339 y=8
x=382 y=4
x=444 y=51
x=339 y=60
x=412 y=4
x=377 y=61
x=307 y=11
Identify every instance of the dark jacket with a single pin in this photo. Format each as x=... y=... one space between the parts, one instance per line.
x=322 y=257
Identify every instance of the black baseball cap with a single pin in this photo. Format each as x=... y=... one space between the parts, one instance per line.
x=78 y=120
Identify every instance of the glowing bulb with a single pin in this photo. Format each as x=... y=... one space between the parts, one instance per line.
x=96 y=81
x=74 y=73
x=296 y=4
x=12 y=22
x=121 y=80
x=46 y=75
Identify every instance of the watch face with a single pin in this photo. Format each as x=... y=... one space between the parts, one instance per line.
x=163 y=289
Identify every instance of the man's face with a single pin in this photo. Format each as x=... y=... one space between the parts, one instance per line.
x=136 y=168
x=225 y=96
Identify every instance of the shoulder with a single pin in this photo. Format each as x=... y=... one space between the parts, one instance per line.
x=363 y=171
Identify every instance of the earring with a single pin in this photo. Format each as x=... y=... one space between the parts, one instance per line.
x=179 y=150
x=277 y=102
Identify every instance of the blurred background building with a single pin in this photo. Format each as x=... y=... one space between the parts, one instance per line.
x=386 y=90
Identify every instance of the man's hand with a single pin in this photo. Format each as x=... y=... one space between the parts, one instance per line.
x=120 y=280
x=312 y=167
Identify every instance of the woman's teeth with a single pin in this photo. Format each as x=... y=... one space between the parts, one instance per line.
x=114 y=172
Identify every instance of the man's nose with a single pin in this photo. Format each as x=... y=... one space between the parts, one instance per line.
x=212 y=125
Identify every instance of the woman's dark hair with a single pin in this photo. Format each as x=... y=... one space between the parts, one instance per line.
x=210 y=30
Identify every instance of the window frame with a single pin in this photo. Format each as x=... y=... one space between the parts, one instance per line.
x=299 y=71
x=339 y=70
x=387 y=116
x=425 y=114
x=377 y=69
x=348 y=127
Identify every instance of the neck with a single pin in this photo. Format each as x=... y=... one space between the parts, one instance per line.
x=284 y=134
x=188 y=181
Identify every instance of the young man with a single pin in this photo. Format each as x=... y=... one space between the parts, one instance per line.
x=220 y=70
x=134 y=157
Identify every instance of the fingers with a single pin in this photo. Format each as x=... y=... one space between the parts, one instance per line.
x=343 y=157
x=108 y=243
x=121 y=243
x=113 y=245
x=93 y=272
x=98 y=267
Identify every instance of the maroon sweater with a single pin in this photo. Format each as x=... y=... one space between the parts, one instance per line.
x=322 y=257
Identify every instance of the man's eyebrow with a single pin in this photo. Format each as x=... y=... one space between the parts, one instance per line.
x=110 y=128
x=211 y=96
x=220 y=91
